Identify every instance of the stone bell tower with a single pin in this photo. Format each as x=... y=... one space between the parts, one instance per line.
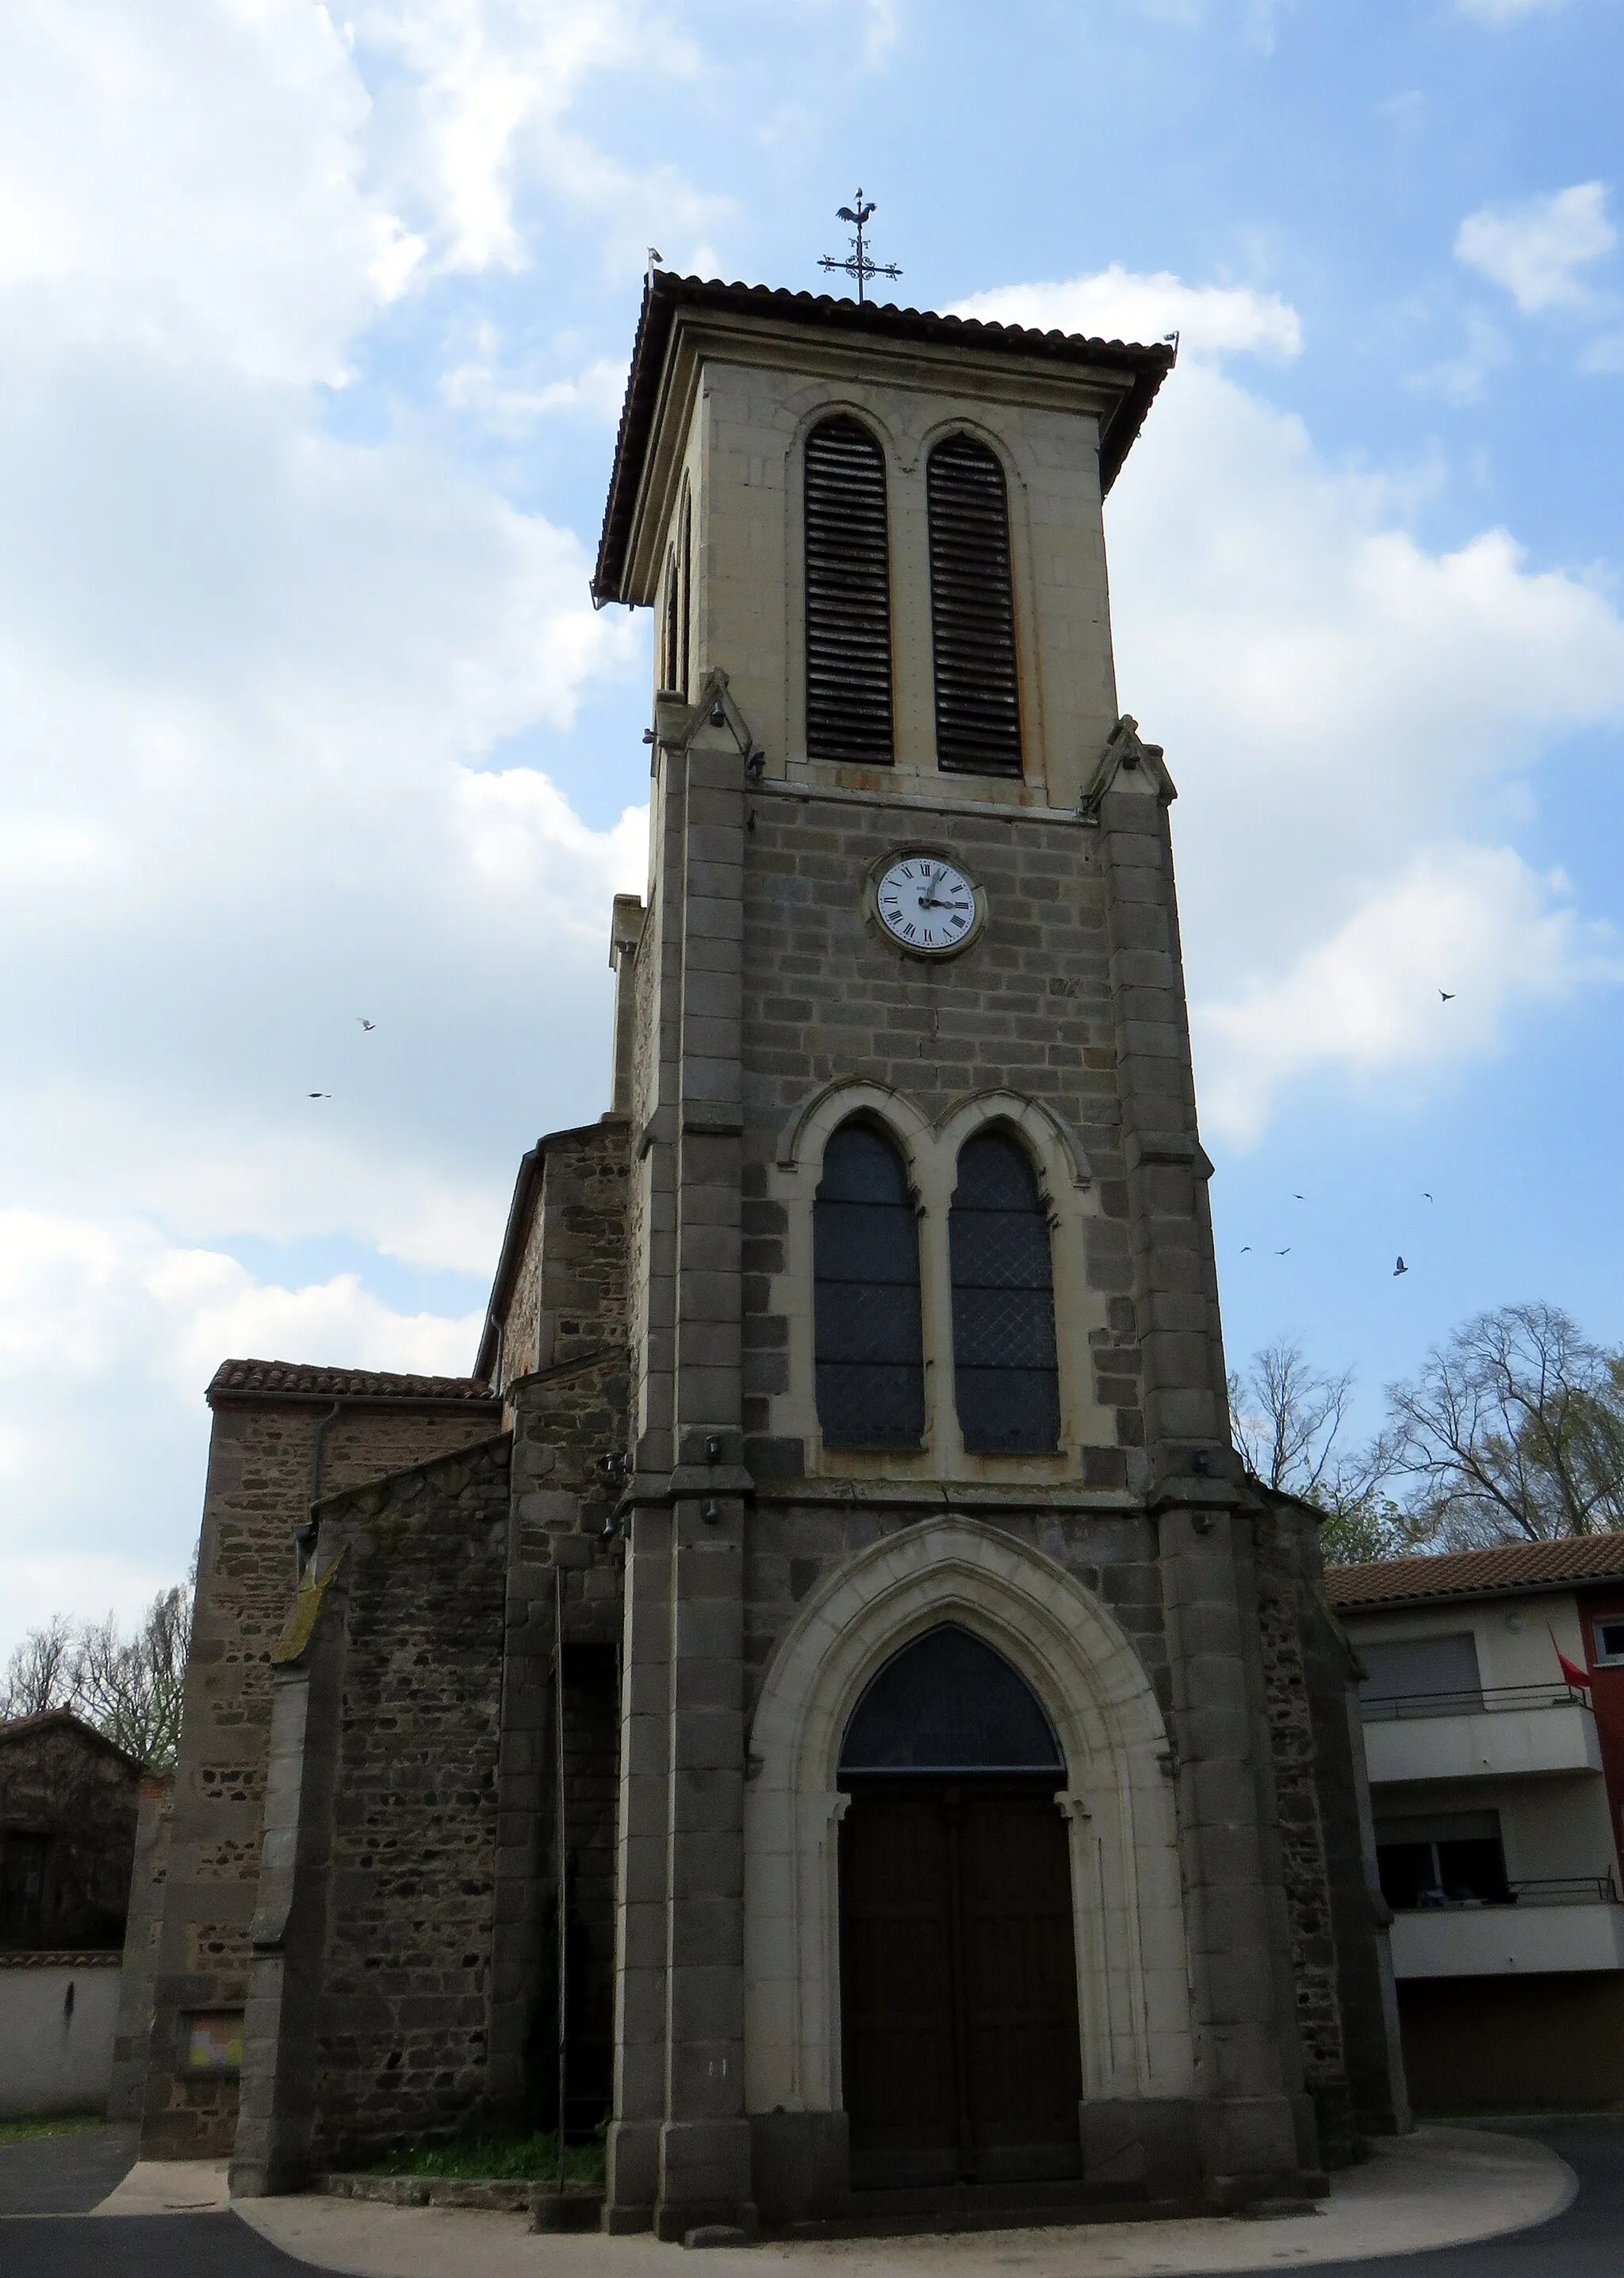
x=929 y=1419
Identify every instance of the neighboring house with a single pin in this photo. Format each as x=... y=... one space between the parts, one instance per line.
x=68 y=1805
x=1496 y=1786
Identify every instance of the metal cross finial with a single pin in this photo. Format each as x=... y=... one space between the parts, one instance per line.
x=857 y=263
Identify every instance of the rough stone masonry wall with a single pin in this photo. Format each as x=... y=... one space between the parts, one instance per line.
x=565 y=1420
x=1345 y=2011
x=147 y=1878
x=402 y=2018
x=1302 y=1838
x=1027 y=1008
x=569 y=1295
x=258 y=1484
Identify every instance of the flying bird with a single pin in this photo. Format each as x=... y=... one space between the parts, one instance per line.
x=1299 y=1198
x=1286 y=1252
x=368 y=1024
x=1244 y=1247
x=1426 y=1198
x=319 y=1094
x=1400 y=1268
x=1448 y=995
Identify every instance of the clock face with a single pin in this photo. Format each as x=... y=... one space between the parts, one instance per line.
x=925 y=903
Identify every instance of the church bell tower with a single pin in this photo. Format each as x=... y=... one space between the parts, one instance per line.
x=952 y=1776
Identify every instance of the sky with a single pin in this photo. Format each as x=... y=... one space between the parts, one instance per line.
x=315 y=327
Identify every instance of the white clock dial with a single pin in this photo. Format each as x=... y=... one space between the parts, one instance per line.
x=925 y=903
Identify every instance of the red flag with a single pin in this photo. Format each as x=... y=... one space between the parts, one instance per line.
x=1571 y=1676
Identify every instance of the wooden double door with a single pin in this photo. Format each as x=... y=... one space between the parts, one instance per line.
x=958 y=1976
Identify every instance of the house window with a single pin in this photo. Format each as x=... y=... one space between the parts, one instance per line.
x=1609 y=1639
x=1419 y=1677
x=972 y=611
x=870 y=1373
x=1456 y=1859
x=848 y=596
x=1003 y=1303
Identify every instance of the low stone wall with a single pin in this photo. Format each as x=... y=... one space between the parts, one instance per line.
x=57 y=2015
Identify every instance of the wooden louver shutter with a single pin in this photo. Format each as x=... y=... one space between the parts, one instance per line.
x=972 y=611
x=848 y=596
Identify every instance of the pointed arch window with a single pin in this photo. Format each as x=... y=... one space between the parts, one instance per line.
x=848 y=595
x=1004 y=1370
x=949 y=1702
x=869 y=1355
x=972 y=611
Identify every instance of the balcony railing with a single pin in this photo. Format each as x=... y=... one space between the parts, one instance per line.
x=1536 y=1891
x=1387 y=1708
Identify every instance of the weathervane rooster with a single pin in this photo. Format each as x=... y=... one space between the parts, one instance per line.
x=857 y=262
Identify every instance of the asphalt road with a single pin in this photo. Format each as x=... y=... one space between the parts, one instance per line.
x=53 y=2242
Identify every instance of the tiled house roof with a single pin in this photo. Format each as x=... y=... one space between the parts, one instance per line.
x=289 y=1379
x=1507 y=1567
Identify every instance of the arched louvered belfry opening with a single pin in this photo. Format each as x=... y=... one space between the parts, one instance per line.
x=1005 y=1365
x=972 y=611
x=867 y=1333
x=848 y=595
x=960 y=2057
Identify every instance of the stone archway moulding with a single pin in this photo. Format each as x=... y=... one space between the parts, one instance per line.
x=1132 y=1973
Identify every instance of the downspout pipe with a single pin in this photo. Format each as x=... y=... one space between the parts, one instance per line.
x=304 y=1537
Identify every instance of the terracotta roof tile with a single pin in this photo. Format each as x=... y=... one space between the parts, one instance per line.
x=297 y=1380
x=1476 y=1573
x=665 y=293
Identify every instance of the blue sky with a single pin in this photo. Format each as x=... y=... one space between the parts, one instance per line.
x=315 y=327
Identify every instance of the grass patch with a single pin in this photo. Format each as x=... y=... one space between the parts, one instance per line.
x=29 y=2131
x=504 y=2158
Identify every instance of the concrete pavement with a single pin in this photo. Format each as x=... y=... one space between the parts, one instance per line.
x=1438 y=2187
x=1465 y=2195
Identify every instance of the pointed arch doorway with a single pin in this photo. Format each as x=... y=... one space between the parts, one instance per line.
x=958 y=1969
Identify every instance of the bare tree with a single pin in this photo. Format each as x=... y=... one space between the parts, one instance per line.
x=1288 y=1418
x=128 y=1688
x=1513 y=1430
x=43 y=1672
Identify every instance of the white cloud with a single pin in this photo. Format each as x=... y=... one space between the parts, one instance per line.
x=1348 y=714
x=191 y=182
x=1114 y=305
x=481 y=120
x=1367 y=999
x=1535 y=251
x=511 y=401
x=1463 y=379
x=104 y=1314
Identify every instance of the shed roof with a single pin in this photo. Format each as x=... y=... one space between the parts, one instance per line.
x=666 y=295
x=1505 y=1569
x=67 y=1721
